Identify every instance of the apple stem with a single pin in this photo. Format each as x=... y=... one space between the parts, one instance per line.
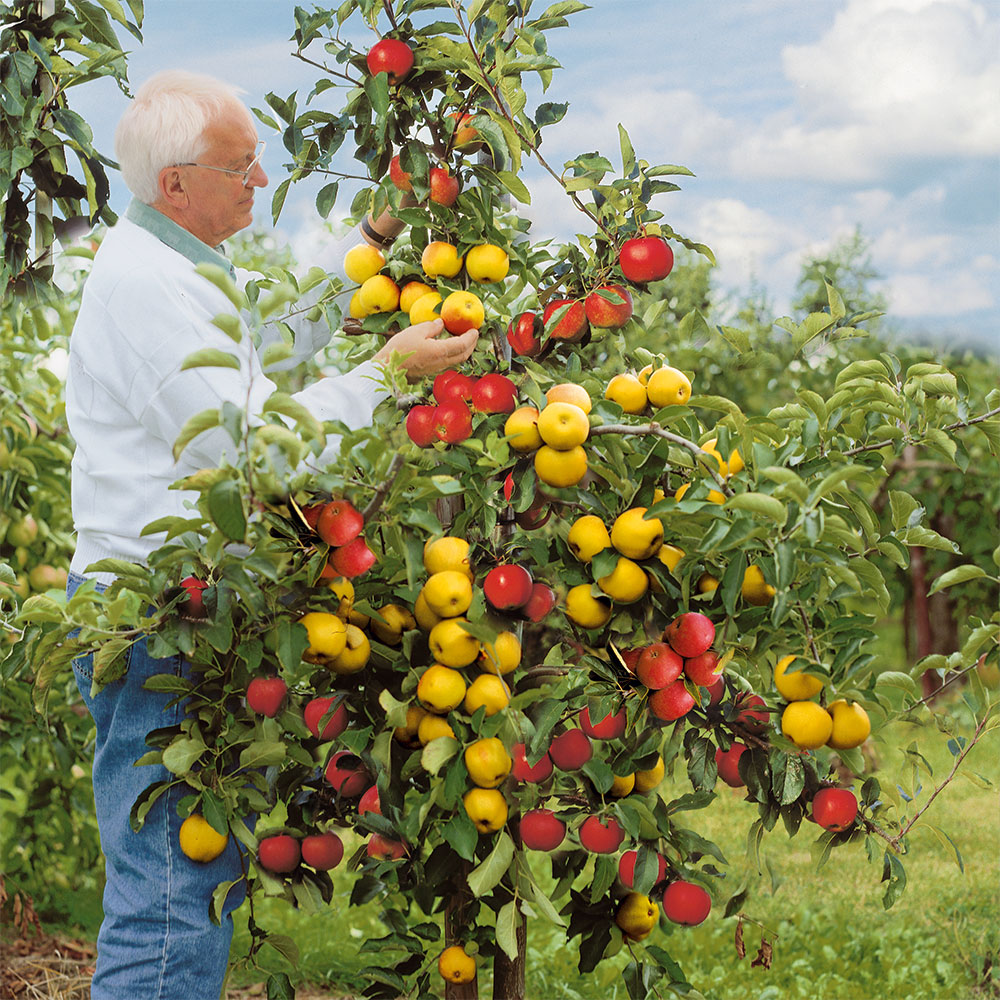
x=809 y=632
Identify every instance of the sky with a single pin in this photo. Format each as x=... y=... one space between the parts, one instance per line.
x=800 y=120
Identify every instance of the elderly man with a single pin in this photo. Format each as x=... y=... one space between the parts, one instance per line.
x=189 y=153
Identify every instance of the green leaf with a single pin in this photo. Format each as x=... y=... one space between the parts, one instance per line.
x=488 y=875
x=460 y=832
x=507 y=921
x=262 y=753
x=220 y=277
x=515 y=186
x=895 y=678
x=759 y=503
x=438 y=752
x=182 y=753
x=210 y=357
x=225 y=505
x=194 y=426
x=960 y=574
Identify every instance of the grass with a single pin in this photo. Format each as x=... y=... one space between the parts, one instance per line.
x=834 y=938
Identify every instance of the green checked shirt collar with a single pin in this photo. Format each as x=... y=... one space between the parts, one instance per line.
x=167 y=231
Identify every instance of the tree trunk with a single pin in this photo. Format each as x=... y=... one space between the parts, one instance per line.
x=508 y=976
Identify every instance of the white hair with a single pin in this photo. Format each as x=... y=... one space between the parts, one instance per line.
x=165 y=125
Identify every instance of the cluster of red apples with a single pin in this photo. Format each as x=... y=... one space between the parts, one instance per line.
x=449 y=419
x=339 y=524
x=510 y=588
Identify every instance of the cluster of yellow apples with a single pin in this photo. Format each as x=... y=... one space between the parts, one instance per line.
x=555 y=434
x=656 y=387
x=337 y=639
x=842 y=725
x=636 y=538
x=726 y=469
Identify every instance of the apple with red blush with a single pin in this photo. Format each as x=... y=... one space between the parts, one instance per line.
x=337 y=721
x=690 y=634
x=626 y=868
x=369 y=802
x=611 y=727
x=524 y=335
x=571 y=750
x=384 y=848
x=686 y=903
x=728 y=764
x=521 y=770
x=835 y=809
x=646 y=258
x=353 y=559
x=390 y=56
x=421 y=425
x=347 y=774
x=658 y=665
x=193 y=604
x=601 y=834
x=452 y=421
x=339 y=523
x=494 y=393
x=542 y=600
x=265 y=695
x=703 y=670
x=566 y=320
x=608 y=307
x=322 y=851
x=542 y=830
x=279 y=854
x=671 y=702
x=507 y=587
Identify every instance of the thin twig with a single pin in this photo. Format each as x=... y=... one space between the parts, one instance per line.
x=951 y=427
x=383 y=488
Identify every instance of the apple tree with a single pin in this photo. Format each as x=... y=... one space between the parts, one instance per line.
x=475 y=645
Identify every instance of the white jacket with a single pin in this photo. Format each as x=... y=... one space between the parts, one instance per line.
x=144 y=310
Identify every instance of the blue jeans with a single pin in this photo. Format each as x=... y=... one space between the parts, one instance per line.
x=156 y=941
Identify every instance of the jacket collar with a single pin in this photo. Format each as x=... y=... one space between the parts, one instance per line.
x=176 y=237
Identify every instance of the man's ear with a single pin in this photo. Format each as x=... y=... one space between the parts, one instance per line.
x=172 y=189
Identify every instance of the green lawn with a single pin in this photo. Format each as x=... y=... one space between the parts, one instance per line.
x=835 y=940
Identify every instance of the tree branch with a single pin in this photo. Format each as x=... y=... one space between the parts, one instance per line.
x=951 y=427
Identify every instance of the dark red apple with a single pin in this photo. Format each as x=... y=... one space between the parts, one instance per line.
x=609 y=307
x=494 y=393
x=421 y=425
x=451 y=385
x=690 y=634
x=390 y=56
x=452 y=421
x=310 y=514
x=728 y=761
x=658 y=665
x=339 y=523
x=353 y=559
x=507 y=587
x=536 y=515
x=279 y=854
x=611 y=727
x=716 y=691
x=524 y=335
x=265 y=695
x=322 y=851
x=703 y=670
x=753 y=715
x=571 y=750
x=193 y=605
x=646 y=258
x=571 y=323
x=686 y=903
x=542 y=830
x=835 y=808
x=672 y=702
x=601 y=835
x=543 y=599
x=384 y=848
x=523 y=771
x=319 y=707
x=348 y=774
x=369 y=802
x=444 y=187
x=626 y=868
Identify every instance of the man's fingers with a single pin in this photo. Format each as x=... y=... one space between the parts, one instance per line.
x=462 y=346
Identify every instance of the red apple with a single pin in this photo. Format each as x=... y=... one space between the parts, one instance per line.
x=835 y=808
x=465 y=137
x=646 y=258
x=507 y=587
x=353 y=559
x=451 y=385
x=279 y=854
x=658 y=665
x=369 y=802
x=494 y=393
x=339 y=523
x=348 y=774
x=703 y=670
x=399 y=176
x=542 y=830
x=265 y=695
x=523 y=771
x=444 y=187
x=452 y=421
x=716 y=691
x=690 y=634
x=630 y=657
x=727 y=761
x=672 y=702
x=571 y=324
x=319 y=707
x=193 y=605
x=601 y=836
x=322 y=851
x=536 y=515
x=543 y=599
x=611 y=727
x=626 y=868
x=390 y=56
x=420 y=425
x=384 y=848
x=686 y=903
x=571 y=750
x=609 y=307
x=523 y=335
x=753 y=715
x=310 y=514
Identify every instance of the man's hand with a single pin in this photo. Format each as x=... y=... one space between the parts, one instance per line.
x=420 y=353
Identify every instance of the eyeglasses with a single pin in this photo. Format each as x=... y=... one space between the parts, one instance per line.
x=245 y=174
